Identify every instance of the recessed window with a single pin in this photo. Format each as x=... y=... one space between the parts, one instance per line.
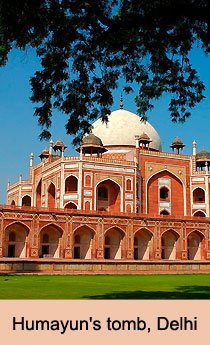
x=164 y=194
x=26 y=201
x=198 y=195
x=71 y=184
x=128 y=184
x=87 y=181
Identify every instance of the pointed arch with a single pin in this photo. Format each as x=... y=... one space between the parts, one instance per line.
x=164 y=212
x=113 y=238
x=87 y=205
x=172 y=230
x=165 y=171
x=108 y=179
x=51 y=196
x=108 y=196
x=142 y=244
x=18 y=223
x=88 y=180
x=39 y=194
x=143 y=228
x=89 y=227
x=198 y=195
x=199 y=232
x=26 y=200
x=153 y=200
x=16 y=239
x=83 y=237
x=115 y=227
x=196 y=245
x=70 y=206
x=54 y=234
x=58 y=227
x=13 y=203
x=128 y=184
x=199 y=213
x=169 y=243
x=128 y=208
x=71 y=184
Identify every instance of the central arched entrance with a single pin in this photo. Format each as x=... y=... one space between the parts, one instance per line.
x=113 y=244
x=16 y=236
x=83 y=243
x=169 y=242
x=50 y=242
x=108 y=196
x=142 y=240
x=161 y=197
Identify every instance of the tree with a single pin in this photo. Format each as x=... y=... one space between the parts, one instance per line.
x=86 y=46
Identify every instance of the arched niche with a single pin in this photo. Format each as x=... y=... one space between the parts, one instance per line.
x=26 y=201
x=199 y=214
x=39 y=194
x=71 y=184
x=176 y=197
x=128 y=184
x=142 y=244
x=195 y=245
x=50 y=238
x=113 y=243
x=169 y=242
x=108 y=196
x=16 y=237
x=198 y=196
x=51 y=196
x=83 y=243
x=164 y=212
x=70 y=206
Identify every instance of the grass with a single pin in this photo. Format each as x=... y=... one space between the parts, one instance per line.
x=195 y=286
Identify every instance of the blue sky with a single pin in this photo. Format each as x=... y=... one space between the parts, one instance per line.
x=19 y=128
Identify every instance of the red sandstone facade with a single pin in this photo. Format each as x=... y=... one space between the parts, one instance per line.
x=125 y=202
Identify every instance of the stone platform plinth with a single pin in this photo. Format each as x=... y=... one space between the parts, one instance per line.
x=61 y=266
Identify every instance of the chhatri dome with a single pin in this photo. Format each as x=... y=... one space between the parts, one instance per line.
x=121 y=129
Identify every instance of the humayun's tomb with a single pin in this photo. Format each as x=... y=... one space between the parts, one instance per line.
x=120 y=206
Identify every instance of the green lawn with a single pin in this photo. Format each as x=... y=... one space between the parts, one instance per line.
x=195 y=286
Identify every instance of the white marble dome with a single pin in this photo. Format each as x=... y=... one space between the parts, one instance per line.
x=122 y=128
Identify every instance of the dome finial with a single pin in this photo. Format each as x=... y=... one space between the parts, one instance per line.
x=121 y=101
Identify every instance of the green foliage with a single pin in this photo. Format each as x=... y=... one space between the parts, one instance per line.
x=85 y=47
